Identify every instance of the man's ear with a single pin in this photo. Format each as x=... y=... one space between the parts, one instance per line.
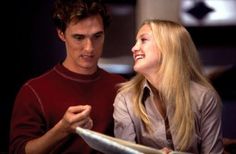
x=61 y=34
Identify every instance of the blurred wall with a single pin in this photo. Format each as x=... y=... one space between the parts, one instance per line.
x=161 y=9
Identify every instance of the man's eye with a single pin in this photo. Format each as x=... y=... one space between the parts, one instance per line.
x=97 y=36
x=79 y=37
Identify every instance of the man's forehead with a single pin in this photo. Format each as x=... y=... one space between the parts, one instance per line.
x=90 y=25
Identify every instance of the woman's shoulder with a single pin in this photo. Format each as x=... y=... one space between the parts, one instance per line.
x=198 y=89
x=125 y=93
x=204 y=96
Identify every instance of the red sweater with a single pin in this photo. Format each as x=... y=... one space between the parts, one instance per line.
x=42 y=102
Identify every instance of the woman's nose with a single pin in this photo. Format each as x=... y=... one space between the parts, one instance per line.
x=135 y=48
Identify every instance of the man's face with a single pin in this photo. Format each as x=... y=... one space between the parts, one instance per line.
x=84 y=44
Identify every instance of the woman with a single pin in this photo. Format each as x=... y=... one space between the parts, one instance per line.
x=169 y=103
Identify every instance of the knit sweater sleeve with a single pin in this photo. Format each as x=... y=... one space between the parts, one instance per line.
x=27 y=120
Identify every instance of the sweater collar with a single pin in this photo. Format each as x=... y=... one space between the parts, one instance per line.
x=66 y=73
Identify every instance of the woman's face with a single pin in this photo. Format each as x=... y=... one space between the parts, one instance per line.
x=145 y=52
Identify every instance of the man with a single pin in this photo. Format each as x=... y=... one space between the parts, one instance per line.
x=49 y=108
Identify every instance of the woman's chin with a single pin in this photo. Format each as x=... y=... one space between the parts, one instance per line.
x=138 y=69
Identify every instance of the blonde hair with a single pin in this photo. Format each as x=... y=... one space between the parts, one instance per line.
x=180 y=64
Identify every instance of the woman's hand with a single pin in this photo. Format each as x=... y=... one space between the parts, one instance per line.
x=166 y=150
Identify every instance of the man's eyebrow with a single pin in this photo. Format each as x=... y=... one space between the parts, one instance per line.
x=98 y=33
x=84 y=35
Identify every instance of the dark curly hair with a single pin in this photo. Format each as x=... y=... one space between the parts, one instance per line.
x=66 y=10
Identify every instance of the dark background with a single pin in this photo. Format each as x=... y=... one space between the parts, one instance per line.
x=29 y=47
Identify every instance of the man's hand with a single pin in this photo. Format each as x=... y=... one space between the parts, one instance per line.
x=76 y=116
x=73 y=117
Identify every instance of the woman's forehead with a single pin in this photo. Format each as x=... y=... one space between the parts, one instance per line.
x=144 y=30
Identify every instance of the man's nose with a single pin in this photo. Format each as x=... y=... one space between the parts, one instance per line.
x=89 y=45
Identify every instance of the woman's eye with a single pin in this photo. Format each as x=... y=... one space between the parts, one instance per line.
x=144 y=39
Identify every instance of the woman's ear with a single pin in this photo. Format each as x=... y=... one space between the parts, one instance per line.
x=61 y=34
